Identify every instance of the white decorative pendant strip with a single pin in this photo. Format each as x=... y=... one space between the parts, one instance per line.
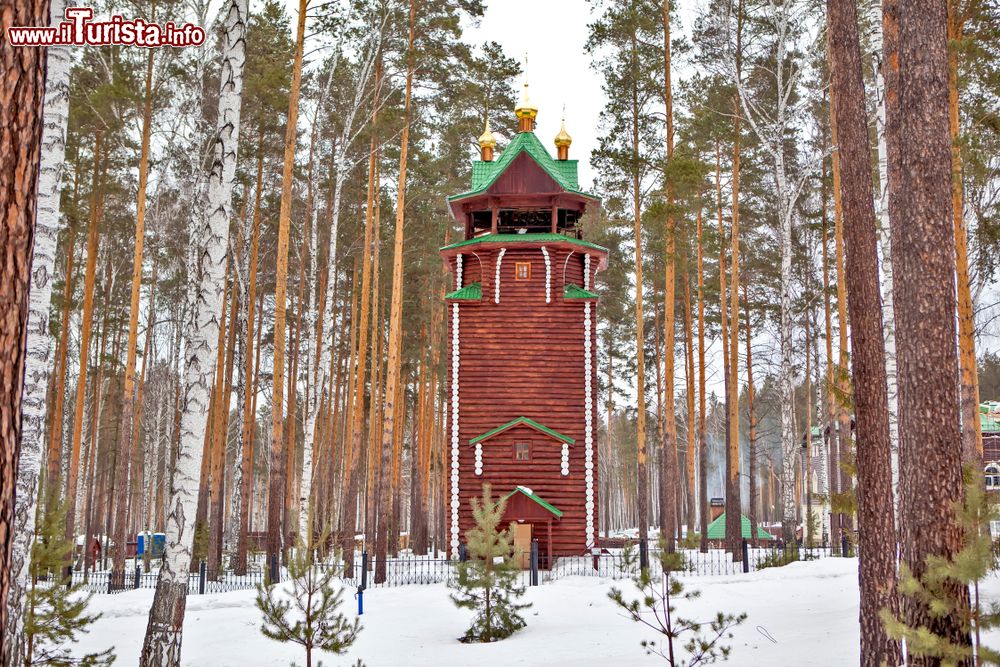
x=588 y=463
x=586 y=272
x=454 y=431
x=565 y=460
x=496 y=299
x=458 y=271
x=479 y=458
x=548 y=275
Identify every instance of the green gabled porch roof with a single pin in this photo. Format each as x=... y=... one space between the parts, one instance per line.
x=531 y=494
x=471 y=292
x=717 y=529
x=576 y=292
x=563 y=172
x=526 y=422
x=515 y=238
x=989 y=417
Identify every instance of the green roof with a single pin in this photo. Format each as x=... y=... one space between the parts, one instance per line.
x=717 y=529
x=547 y=237
x=563 y=172
x=471 y=292
x=577 y=292
x=527 y=422
x=528 y=492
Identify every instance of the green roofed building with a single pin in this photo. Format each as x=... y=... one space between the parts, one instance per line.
x=717 y=529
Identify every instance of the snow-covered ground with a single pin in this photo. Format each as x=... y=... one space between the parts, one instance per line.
x=801 y=614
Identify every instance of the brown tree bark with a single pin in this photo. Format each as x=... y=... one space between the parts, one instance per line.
x=21 y=95
x=877 y=534
x=972 y=442
x=702 y=435
x=275 y=496
x=215 y=433
x=691 y=417
x=54 y=471
x=752 y=424
x=921 y=218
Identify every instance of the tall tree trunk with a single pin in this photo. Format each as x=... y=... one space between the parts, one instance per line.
x=162 y=643
x=877 y=548
x=690 y=389
x=125 y=444
x=723 y=314
x=669 y=473
x=752 y=423
x=702 y=434
x=920 y=212
x=734 y=517
x=22 y=134
x=830 y=401
x=243 y=474
x=275 y=497
x=55 y=462
x=972 y=443
x=217 y=437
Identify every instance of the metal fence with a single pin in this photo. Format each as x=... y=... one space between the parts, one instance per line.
x=418 y=570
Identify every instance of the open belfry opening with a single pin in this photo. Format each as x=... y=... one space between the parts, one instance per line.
x=522 y=347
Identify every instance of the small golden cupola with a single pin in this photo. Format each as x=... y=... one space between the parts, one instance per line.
x=487 y=142
x=562 y=141
x=525 y=110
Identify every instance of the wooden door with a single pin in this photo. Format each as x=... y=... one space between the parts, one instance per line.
x=522 y=544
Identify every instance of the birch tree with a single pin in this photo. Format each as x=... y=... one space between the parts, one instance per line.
x=38 y=343
x=162 y=643
x=773 y=121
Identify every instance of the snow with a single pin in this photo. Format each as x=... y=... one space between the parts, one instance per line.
x=803 y=614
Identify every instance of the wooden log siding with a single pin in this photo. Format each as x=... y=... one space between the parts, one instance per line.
x=525 y=357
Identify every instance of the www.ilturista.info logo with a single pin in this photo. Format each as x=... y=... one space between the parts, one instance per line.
x=79 y=30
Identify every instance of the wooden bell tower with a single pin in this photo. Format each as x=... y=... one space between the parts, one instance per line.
x=522 y=353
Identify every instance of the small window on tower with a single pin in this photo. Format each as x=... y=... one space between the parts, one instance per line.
x=522 y=451
x=522 y=271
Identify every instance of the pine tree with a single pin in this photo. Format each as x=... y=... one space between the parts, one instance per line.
x=317 y=622
x=56 y=614
x=657 y=609
x=487 y=581
x=935 y=589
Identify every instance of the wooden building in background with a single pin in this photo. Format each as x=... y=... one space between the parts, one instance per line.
x=522 y=352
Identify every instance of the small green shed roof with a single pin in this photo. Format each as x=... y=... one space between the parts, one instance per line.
x=717 y=529
x=576 y=292
x=989 y=417
x=526 y=422
x=471 y=292
x=531 y=494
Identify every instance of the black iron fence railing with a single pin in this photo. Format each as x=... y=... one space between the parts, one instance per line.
x=420 y=570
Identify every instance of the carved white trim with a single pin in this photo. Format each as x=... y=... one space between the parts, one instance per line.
x=458 y=271
x=588 y=415
x=564 y=464
x=454 y=431
x=496 y=298
x=586 y=271
x=548 y=275
x=479 y=458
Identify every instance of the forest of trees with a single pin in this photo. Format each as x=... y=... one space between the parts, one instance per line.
x=234 y=330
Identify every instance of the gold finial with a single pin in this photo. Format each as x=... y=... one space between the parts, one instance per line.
x=487 y=142
x=563 y=140
x=487 y=138
x=525 y=110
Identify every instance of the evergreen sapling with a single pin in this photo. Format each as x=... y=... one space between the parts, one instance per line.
x=316 y=622
x=56 y=613
x=657 y=610
x=487 y=582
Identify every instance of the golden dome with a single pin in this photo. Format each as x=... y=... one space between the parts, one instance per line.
x=563 y=140
x=525 y=108
x=487 y=138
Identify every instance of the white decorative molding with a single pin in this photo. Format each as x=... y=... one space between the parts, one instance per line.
x=565 y=460
x=548 y=275
x=586 y=271
x=479 y=458
x=496 y=298
x=588 y=413
x=458 y=271
x=454 y=431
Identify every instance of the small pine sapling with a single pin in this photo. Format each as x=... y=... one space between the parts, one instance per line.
x=656 y=609
x=936 y=588
x=316 y=622
x=487 y=581
x=56 y=613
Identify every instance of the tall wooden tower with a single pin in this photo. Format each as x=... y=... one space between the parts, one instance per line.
x=522 y=348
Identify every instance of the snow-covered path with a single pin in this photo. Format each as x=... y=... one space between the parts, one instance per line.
x=810 y=610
